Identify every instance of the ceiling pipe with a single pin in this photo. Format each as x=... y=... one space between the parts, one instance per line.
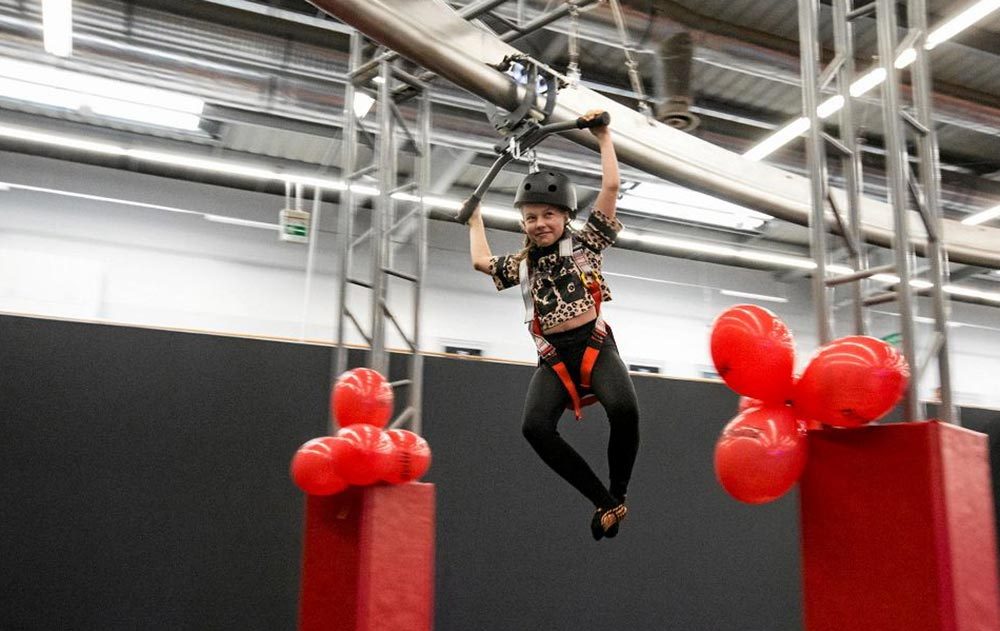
x=672 y=79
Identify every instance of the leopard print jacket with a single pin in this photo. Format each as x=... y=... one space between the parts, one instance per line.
x=557 y=290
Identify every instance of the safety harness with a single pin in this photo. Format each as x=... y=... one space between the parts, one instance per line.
x=568 y=248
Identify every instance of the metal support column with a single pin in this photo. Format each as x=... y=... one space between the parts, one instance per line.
x=345 y=223
x=897 y=172
x=378 y=358
x=423 y=180
x=396 y=237
x=841 y=72
x=902 y=184
x=930 y=182
x=816 y=159
x=850 y=160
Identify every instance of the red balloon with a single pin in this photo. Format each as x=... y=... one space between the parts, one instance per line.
x=754 y=353
x=360 y=454
x=746 y=403
x=361 y=395
x=312 y=468
x=410 y=457
x=851 y=381
x=760 y=454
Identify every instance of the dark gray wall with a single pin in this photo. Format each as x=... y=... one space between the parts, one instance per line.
x=144 y=477
x=514 y=548
x=144 y=485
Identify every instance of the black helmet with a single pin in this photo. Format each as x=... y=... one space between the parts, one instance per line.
x=547 y=187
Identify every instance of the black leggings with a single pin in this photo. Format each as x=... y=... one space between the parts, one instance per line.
x=547 y=399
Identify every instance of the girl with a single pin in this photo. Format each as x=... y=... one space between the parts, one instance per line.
x=559 y=274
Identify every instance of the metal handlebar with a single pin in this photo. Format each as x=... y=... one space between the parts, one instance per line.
x=601 y=120
x=528 y=141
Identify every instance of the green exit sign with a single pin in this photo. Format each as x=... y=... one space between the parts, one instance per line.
x=294 y=225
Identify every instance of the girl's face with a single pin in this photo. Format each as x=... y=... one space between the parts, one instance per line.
x=543 y=224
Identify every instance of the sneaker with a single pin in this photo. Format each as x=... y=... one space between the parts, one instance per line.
x=611 y=519
x=605 y=521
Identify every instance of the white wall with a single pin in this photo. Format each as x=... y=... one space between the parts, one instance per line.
x=87 y=259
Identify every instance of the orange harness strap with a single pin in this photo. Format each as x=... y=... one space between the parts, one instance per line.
x=548 y=352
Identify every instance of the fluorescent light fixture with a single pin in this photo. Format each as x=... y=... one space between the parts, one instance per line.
x=362 y=104
x=234 y=168
x=778 y=139
x=703 y=247
x=96 y=198
x=87 y=84
x=202 y=164
x=905 y=58
x=982 y=217
x=839 y=269
x=454 y=204
x=960 y=22
x=363 y=189
x=874 y=77
x=174 y=159
x=968 y=292
x=42 y=94
x=653 y=280
x=782 y=260
x=868 y=82
x=429 y=200
x=405 y=197
x=830 y=106
x=799 y=126
x=744 y=294
x=885 y=278
x=685 y=245
x=56 y=140
x=892 y=279
x=956 y=290
x=308 y=180
x=112 y=108
x=676 y=202
x=441 y=202
x=236 y=221
x=86 y=93
x=57 y=27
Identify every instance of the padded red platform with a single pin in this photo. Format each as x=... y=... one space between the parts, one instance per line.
x=368 y=560
x=898 y=530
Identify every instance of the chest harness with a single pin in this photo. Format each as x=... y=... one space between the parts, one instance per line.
x=568 y=247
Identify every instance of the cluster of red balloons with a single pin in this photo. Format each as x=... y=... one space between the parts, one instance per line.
x=361 y=452
x=849 y=382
